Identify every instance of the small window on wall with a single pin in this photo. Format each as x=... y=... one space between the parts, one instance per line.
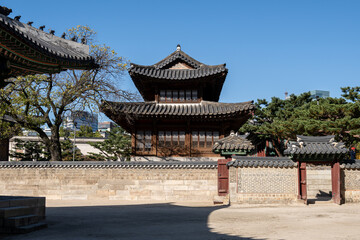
x=188 y=95
x=194 y=95
x=182 y=139
x=143 y=141
x=161 y=138
x=168 y=139
x=204 y=139
x=182 y=96
x=162 y=96
x=178 y=96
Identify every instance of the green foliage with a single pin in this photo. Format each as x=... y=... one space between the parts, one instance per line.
x=116 y=148
x=300 y=115
x=29 y=151
x=86 y=131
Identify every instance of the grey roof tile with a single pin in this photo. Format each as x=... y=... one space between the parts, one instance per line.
x=351 y=164
x=275 y=162
x=180 y=109
x=233 y=142
x=311 y=146
x=47 y=43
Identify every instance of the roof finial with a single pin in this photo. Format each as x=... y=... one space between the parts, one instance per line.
x=178 y=48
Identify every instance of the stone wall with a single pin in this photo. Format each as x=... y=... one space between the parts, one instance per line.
x=262 y=181
x=110 y=180
x=351 y=186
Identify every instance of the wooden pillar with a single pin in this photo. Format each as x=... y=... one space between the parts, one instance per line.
x=336 y=182
x=154 y=138
x=133 y=142
x=4 y=150
x=302 y=181
x=188 y=142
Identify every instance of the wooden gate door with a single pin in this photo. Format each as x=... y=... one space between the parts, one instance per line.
x=335 y=179
x=302 y=181
x=223 y=177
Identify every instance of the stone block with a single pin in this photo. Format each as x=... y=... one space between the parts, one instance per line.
x=74 y=197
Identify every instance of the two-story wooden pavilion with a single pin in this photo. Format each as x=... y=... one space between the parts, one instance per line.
x=181 y=115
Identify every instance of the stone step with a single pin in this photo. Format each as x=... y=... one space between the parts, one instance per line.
x=21 y=220
x=8 y=212
x=29 y=228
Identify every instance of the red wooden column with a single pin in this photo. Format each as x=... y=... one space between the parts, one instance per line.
x=336 y=184
x=302 y=181
x=223 y=177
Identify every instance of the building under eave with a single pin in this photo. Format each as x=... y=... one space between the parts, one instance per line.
x=181 y=115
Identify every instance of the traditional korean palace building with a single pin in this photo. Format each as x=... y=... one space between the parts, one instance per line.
x=181 y=115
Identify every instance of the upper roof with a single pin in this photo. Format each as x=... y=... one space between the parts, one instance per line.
x=181 y=69
x=316 y=148
x=233 y=143
x=32 y=51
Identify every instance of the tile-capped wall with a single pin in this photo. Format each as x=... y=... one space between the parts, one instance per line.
x=155 y=182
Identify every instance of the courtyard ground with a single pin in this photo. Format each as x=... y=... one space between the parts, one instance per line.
x=124 y=220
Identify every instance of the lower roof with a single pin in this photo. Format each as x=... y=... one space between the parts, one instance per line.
x=204 y=109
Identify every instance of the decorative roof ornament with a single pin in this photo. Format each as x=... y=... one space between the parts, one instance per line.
x=5 y=11
x=178 y=48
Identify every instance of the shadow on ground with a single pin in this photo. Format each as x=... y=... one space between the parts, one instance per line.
x=146 y=221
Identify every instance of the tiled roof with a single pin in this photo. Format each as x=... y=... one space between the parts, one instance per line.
x=354 y=164
x=181 y=69
x=316 y=147
x=177 y=74
x=233 y=142
x=176 y=56
x=110 y=165
x=204 y=109
x=47 y=43
x=274 y=162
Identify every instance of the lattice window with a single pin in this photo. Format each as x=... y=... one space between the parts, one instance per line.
x=143 y=141
x=204 y=139
x=171 y=138
x=179 y=96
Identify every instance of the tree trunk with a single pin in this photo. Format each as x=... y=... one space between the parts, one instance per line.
x=55 y=150
x=55 y=146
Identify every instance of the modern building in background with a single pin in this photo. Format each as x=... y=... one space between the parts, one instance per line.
x=105 y=127
x=319 y=94
x=82 y=118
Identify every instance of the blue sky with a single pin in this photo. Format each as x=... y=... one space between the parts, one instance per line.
x=270 y=47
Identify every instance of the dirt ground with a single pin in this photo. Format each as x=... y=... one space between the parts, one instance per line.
x=124 y=220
